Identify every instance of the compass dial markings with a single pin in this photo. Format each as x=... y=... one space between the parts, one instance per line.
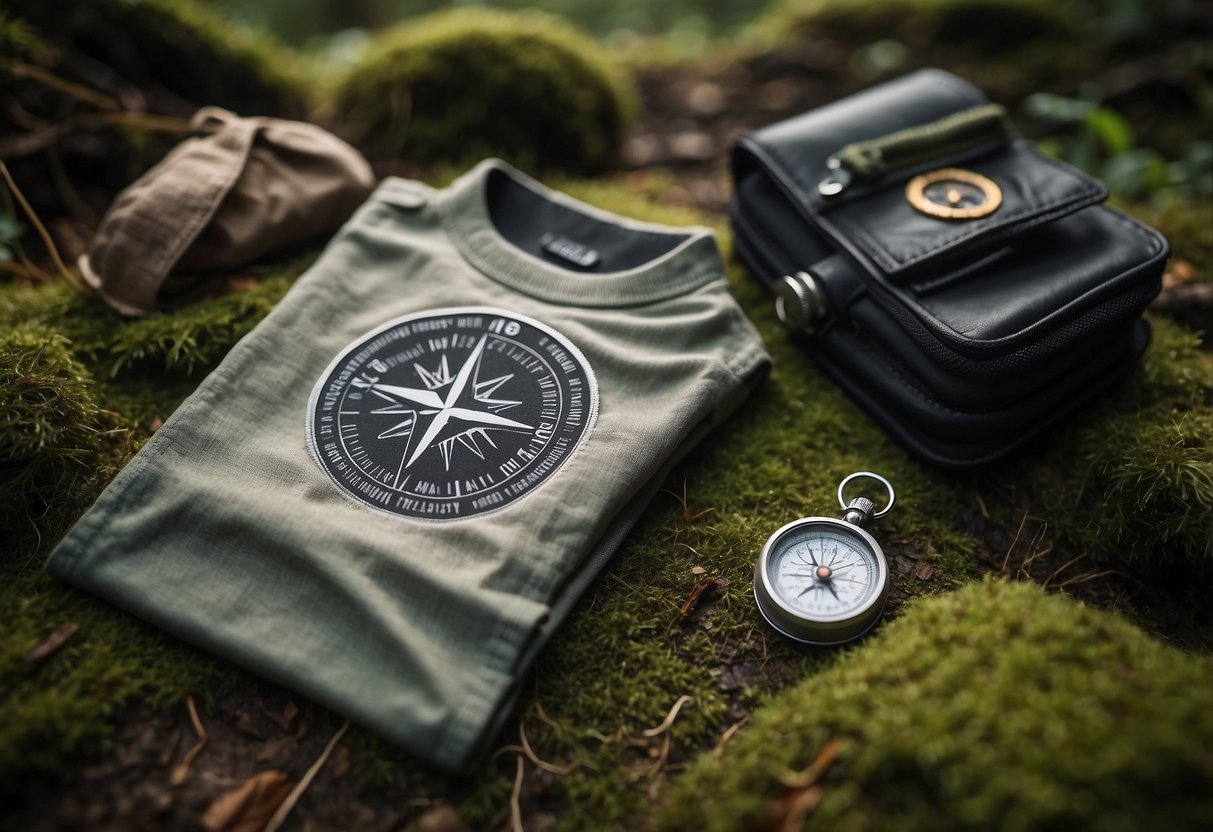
x=490 y=375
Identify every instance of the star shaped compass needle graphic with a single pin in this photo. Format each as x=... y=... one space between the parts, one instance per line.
x=463 y=416
x=450 y=413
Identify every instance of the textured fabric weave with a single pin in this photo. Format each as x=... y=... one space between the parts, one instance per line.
x=225 y=531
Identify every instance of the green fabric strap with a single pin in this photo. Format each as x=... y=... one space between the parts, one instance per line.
x=953 y=134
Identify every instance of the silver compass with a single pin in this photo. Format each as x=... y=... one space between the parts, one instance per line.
x=824 y=580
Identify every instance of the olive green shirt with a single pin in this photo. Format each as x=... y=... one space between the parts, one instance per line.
x=389 y=494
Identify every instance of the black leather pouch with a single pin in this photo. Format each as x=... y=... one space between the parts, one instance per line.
x=965 y=290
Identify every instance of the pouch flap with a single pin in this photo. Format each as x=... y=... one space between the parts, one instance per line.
x=876 y=222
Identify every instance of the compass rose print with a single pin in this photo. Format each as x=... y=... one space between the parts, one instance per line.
x=395 y=429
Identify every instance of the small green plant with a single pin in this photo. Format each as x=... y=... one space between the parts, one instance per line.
x=1096 y=138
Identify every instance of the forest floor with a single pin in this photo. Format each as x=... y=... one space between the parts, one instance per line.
x=163 y=767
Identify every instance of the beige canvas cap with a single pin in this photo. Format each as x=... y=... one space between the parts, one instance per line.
x=243 y=189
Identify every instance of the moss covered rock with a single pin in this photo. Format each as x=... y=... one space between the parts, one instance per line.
x=96 y=79
x=467 y=84
x=164 y=56
x=994 y=707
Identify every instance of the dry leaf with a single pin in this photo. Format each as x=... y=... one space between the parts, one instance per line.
x=51 y=644
x=701 y=590
x=697 y=570
x=249 y=806
x=282 y=720
x=442 y=819
x=243 y=723
x=924 y=570
x=274 y=747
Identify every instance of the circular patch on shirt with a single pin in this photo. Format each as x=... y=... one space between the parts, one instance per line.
x=451 y=413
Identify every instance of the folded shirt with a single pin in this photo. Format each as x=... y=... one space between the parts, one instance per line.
x=392 y=491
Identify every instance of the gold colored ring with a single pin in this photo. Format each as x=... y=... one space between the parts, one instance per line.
x=916 y=194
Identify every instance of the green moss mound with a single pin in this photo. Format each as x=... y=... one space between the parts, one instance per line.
x=473 y=83
x=994 y=707
x=51 y=431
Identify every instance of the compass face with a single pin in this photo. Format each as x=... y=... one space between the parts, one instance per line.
x=823 y=573
x=451 y=413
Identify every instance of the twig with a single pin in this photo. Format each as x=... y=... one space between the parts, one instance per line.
x=29 y=143
x=1061 y=569
x=543 y=764
x=279 y=817
x=79 y=91
x=42 y=232
x=809 y=776
x=516 y=798
x=1011 y=549
x=547 y=720
x=1080 y=579
x=728 y=735
x=182 y=771
x=669 y=718
x=981 y=506
x=658 y=764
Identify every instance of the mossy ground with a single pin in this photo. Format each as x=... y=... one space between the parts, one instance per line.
x=623 y=659
x=993 y=707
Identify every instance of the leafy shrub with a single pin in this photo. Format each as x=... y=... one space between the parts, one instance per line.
x=473 y=83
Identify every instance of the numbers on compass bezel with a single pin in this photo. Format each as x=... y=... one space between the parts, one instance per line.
x=822 y=572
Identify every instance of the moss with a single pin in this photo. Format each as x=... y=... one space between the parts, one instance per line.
x=80 y=390
x=1189 y=228
x=18 y=40
x=622 y=659
x=179 y=342
x=994 y=707
x=69 y=703
x=177 y=46
x=1133 y=481
x=472 y=83
x=52 y=436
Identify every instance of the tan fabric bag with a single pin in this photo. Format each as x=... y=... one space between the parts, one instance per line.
x=245 y=188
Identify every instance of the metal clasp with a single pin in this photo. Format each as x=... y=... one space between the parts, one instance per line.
x=860 y=510
x=799 y=302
